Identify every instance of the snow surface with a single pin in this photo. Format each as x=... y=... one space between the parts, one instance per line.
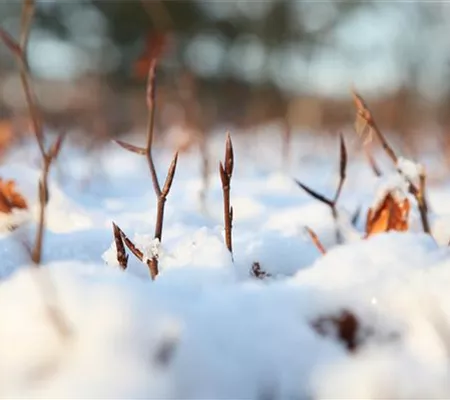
x=205 y=328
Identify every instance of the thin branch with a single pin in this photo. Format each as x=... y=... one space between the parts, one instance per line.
x=422 y=203
x=25 y=22
x=315 y=239
x=19 y=50
x=150 y=96
x=315 y=194
x=355 y=216
x=342 y=168
x=226 y=173
x=373 y=164
x=332 y=202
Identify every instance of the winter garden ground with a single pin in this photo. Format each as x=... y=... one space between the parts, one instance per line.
x=205 y=328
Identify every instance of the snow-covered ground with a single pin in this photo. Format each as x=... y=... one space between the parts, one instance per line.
x=205 y=328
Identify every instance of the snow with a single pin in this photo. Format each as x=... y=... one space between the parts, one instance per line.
x=410 y=170
x=205 y=328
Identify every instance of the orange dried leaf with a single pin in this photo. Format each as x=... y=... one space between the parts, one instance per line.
x=10 y=198
x=391 y=215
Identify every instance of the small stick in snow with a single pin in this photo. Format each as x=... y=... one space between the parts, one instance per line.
x=365 y=118
x=161 y=193
x=332 y=202
x=258 y=272
x=226 y=172
x=122 y=256
x=48 y=156
x=315 y=239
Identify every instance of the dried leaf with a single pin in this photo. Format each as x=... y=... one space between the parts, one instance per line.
x=345 y=326
x=10 y=198
x=391 y=215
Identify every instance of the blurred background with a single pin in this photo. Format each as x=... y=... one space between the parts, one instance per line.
x=241 y=64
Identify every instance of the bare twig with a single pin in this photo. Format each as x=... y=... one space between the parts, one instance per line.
x=373 y=164
x=203 y=146
x=365 y=117
x=122 y=256
x=422 y=203
x=226 y=173
x=48 y=156
x=161 y=194
x=287 y=139
x=332 y=202
x=151 y=263
x=315 y=239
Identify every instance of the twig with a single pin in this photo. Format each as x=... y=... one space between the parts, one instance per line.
x=315 y=239
x=122 y=256
x=365 y=117
x=161 y=194
x=226 y=173
x=355 y=217
x=373 y=164
x=287 y=139
x=422 y=203
x=332 y=202
x=48 y=156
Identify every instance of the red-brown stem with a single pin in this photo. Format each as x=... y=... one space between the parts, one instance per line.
x=332 y=202
x=36 y=254
x=422 y=204
x=19 y=51
x=316 y=241
x=161 y=194
x=226 y=172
